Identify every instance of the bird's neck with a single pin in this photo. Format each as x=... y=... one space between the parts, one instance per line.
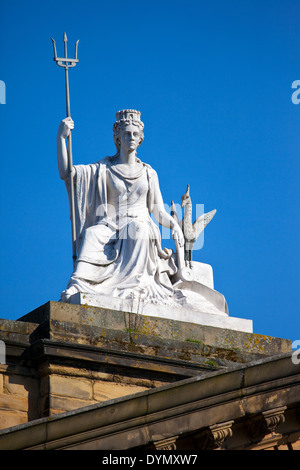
x=188 y=210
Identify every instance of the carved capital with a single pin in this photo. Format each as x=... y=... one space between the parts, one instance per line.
x=267 y=422
x=215 y=435
x=166 y=444
x=274 y=418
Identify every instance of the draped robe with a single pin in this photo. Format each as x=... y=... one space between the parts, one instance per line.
x=118 y=244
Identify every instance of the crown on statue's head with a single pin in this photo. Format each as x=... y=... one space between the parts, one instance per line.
x=129 y=115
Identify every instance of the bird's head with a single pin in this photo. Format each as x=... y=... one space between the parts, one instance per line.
x=186 y=197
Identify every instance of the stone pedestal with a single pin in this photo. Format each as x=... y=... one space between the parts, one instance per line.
x=195 y=301
x=198 y=303
x=61 y=357
x=184 y=314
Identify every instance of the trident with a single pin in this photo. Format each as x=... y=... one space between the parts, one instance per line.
x=69 y=63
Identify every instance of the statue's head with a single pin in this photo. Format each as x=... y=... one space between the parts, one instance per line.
x=126 y=118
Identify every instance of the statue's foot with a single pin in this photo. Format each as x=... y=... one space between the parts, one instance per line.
x=65 y=296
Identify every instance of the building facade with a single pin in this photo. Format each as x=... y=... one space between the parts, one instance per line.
x=79 y=377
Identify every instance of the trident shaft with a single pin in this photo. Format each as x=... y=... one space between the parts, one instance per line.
x=67 y=63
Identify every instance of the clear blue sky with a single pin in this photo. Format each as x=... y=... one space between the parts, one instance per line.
x=212 y=80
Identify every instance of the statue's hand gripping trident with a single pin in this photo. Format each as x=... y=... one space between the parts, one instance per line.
x=67 y=63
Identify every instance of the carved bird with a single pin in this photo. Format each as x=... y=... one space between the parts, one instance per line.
x=191 y=231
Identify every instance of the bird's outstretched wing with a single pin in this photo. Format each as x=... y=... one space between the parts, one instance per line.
x=174 y=213
x=202 y=221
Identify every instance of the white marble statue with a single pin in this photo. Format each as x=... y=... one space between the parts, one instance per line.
x=120 y=261
x=119 y=246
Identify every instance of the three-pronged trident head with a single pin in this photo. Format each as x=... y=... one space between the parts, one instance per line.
x=65 y=61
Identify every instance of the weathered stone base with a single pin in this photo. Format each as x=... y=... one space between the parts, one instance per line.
x=63 y=357
x=149 y=335
x=182 y=314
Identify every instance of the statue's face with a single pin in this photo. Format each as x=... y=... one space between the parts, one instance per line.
x=130 y=137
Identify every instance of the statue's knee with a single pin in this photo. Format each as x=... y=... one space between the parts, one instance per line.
x=98 y=231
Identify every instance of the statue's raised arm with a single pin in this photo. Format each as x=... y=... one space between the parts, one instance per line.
x=63 y=133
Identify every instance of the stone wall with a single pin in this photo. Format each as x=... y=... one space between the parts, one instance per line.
x=254 y=406
x=68 y=388
x=63 y=357
x=19 y=380
x=19 y=395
